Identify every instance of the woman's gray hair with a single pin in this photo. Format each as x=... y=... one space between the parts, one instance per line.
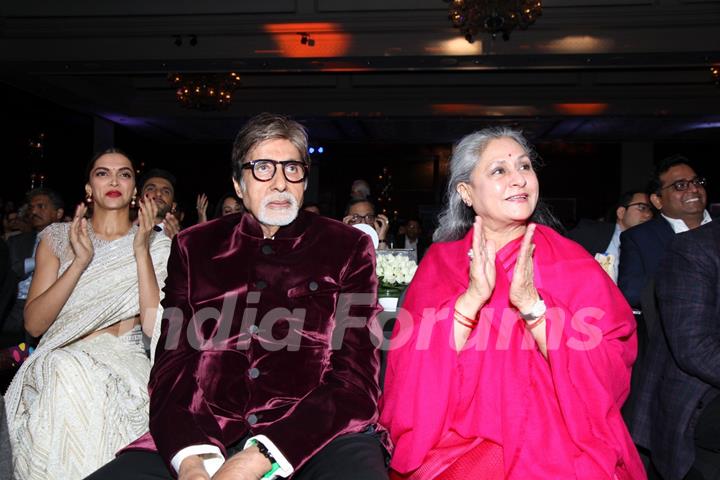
x=456 y=218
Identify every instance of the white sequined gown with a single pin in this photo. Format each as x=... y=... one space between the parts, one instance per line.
x=75 y=401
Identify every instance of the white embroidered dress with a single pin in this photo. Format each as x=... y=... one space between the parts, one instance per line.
x=75 y=401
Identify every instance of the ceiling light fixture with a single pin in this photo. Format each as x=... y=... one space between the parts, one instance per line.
x=472 y=17
x=205 y=91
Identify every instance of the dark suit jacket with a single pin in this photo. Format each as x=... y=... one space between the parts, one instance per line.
x=8 y=282
x=21 y=247
x=642 y=247
x=681 y=373
x=593 y=236
x=295 y=288
x=422 y=245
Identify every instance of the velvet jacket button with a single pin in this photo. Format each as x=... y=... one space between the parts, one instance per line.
x=313 y=286
x=253 y=373
x=252 y=419
x=267 y=249
x=261 y=284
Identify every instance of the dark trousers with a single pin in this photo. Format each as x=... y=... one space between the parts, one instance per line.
x=358 y=456
x=707 y=444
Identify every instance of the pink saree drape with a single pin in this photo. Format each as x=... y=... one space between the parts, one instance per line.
x=554 y=418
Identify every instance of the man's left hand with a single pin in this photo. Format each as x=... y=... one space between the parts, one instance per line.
x=171 y=225
x=249 y=464
x=382 y=224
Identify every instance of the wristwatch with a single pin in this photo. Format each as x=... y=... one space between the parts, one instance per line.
x=537 y=311
x=270 y=474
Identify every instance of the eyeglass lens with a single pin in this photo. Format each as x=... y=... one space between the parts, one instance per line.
x=264 y=170
x=682 y=185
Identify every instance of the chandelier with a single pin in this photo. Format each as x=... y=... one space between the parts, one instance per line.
x=492 y=16
x=205 y=91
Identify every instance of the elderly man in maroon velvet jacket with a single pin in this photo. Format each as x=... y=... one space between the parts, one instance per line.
x=267 y=365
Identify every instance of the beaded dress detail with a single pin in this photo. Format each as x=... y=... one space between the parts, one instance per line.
x=76 y=400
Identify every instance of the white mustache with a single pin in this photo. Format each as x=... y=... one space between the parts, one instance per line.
x=280 y=197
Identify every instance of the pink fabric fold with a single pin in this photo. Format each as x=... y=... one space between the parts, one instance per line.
x=554 y=418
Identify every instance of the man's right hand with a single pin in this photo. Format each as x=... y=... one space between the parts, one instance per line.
x=193 y=468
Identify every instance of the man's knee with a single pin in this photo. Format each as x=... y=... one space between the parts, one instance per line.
x=135 y=465
x=358 y=456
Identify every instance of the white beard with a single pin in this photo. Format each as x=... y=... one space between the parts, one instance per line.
x=275 y=217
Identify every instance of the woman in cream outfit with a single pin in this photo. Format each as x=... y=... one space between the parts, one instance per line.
x=83 y=394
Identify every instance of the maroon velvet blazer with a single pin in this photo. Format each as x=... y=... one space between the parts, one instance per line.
x=246 y=381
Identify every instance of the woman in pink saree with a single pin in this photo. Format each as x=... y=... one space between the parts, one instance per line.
x=513 y=352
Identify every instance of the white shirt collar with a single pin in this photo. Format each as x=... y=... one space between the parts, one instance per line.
x=680 y=226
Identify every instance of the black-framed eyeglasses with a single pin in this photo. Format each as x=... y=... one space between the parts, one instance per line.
x=641 y=206
x=355 y=219
x=264 y=170
x=682 y=185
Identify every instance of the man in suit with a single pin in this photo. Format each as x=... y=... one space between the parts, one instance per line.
x=267 y=363
x=677 y=414
x=679 y=194
x=633 y=208
x=44 y=207
x=412 y=238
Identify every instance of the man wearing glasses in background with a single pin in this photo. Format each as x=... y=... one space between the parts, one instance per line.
x=633 y=208
x=363 y=211
x=679 y=195
x=283 y=378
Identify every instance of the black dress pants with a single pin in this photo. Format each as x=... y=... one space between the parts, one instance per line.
x=358 y=456
x=707 y=444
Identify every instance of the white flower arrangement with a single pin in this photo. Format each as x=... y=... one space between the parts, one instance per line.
x=394 y=270
x=607 y=262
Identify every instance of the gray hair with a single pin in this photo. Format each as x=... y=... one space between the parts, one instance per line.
x=267 y=126
x=456 y=218
x=362 y=187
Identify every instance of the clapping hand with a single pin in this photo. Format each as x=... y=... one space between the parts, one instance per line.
x=80 y=241
x=523 y=293
x=171 y=225
x=146 y=221
x=482 y=265
x=202 y=204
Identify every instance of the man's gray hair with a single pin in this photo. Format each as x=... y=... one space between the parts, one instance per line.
x=456 y=218
x=362 y=187
x=267 y=126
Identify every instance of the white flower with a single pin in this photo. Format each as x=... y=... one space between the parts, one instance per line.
x=607 y=262
x=395 y=269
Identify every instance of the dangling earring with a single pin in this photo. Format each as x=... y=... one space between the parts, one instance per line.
x=88 y=199
x=133 y=203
